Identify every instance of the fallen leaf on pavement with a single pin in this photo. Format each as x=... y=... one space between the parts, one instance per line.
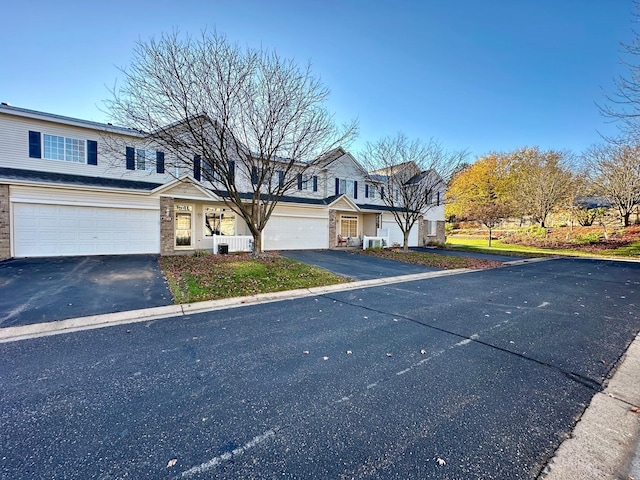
x=635 y=409
x=441 y=462
x=172 y=462
x=423 y=351
x=349 y=352
x=325 y=358
x=389 y=355
x=306 y=352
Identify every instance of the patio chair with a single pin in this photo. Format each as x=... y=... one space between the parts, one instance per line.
x=342 y=241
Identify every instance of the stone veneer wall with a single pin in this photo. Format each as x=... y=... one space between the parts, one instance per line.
x=440 y=235
x=167 y=227
x=5 y=234
x=333 y=232
x=421 y=232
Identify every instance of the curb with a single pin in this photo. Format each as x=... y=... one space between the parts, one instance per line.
x=603 y=443
x=24 y=332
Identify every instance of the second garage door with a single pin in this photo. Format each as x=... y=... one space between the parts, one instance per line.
x=54 y=230
x=395 y=234
x=295 y=233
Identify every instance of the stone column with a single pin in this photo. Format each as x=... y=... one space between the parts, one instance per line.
x=333 y=229
x=440 y=235
x=167 y=227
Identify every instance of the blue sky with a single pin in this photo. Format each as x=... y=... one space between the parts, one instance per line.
x=476 y=75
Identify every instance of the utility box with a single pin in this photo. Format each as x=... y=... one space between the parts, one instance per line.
x=223 y=248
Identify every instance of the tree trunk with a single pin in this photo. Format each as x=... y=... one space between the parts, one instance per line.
x=489 y=236
x=405 y=246
x=257 y=241
x=625 y=219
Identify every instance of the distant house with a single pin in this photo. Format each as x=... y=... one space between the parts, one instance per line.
x=63 y=192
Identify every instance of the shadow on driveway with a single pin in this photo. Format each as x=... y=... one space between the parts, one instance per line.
x=354 y=265
x=34 y=290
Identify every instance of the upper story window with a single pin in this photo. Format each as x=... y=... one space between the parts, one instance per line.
x=348 y=187
x=55 y=147
x=63 y=148
x=145 y=159
x=370 y=191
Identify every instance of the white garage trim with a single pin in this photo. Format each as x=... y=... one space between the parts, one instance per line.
x=58 y=230
x=89 y=204
x=291 y=232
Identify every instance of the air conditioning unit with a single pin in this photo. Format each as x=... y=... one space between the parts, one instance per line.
x=374 y=243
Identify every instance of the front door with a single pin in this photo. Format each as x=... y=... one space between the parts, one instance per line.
x=184 y=225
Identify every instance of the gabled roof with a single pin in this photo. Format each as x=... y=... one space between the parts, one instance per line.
x=343 y=199
x=330 y=157
x=185 y=180
x=76 y=122
x=79 y=180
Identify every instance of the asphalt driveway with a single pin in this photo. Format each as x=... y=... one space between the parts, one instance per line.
x=34 y=290
x=354 y=265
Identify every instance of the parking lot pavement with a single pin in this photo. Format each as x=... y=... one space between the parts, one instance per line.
x=475 y=376
x=35 y=290
x=354 y=265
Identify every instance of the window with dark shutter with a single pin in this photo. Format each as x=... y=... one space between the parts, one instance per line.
x=35 y=149
x=159 y=162
x=130 y=158
x=196 y=167
x=92 y=152
x=355 y=189
x=315 y=183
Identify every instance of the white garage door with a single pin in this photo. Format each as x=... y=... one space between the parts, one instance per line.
x=295 y=233
x=52 y=230
x=395 y=234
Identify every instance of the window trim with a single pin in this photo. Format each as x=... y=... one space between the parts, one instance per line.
x=190 y=208
x=65 y=140
x=350 y=218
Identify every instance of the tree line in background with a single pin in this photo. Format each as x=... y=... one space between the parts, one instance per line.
x=534 y=183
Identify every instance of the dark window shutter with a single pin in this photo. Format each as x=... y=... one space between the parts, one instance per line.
x=159 y=162
x=381 y=192
x=299 y=181
x=315 y=183
x=337 y=186
x=35 y=150
x=366 y=191
x=355 y=189
x=92 y=152
x=254 y=174
x=196 y=167
x=280 y=178
x=232 y=171
x=438 y=199
x=131 y=158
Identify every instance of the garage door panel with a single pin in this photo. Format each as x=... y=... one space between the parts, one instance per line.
x=51 y=230
x=296 y=233
x=396 y=236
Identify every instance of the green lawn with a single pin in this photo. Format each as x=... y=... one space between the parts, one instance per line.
x=212 y=277
x=460 y=242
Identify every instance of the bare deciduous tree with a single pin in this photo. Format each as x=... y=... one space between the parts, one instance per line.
x=250 y=121
x=614 y=171
x=409 y=175
x=623 y=106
